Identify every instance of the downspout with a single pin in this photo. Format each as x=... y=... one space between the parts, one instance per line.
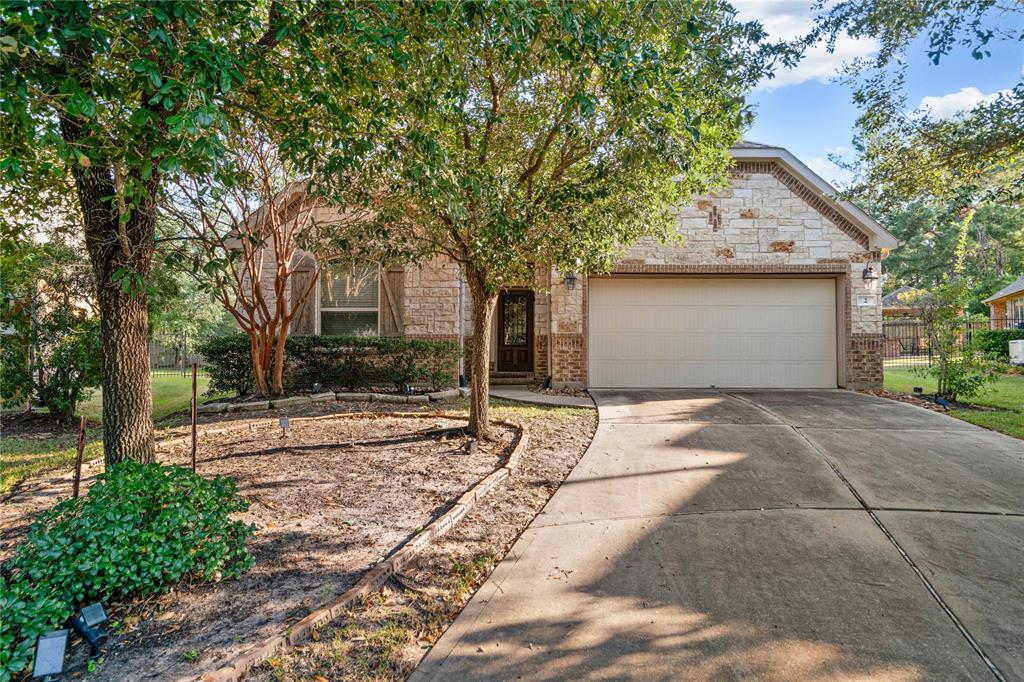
x=462 y=327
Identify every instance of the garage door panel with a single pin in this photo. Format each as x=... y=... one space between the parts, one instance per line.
x=712 y=332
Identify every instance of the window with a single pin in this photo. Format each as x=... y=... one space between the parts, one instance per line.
x=1014 y=312
x=349 y=299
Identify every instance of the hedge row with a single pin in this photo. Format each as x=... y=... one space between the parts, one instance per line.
x=336 y=362
x=997 y=341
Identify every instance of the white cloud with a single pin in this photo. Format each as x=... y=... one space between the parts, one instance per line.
x=789 y=19
x=947 y=106
x=835 y=175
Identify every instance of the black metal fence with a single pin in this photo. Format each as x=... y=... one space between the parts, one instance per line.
x=173 y=356
x=907 y=345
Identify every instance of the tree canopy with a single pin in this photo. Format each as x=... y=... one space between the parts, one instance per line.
x=119 y=96
x=534 y=134
x=903 y=155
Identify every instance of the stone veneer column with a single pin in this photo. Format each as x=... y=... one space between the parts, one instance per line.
x=568 y=350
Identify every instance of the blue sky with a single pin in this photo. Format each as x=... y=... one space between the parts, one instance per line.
x=802 y=110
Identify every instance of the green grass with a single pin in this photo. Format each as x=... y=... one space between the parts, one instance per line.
x=22 y=457
x=1005 y=394
x=170 y=394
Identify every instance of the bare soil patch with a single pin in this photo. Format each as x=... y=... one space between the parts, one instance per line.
x=329 y=501
x=387 y=635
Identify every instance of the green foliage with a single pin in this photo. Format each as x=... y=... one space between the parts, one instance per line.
x=554 y=133
x=960 y=368
x=140 y=529
x=55 y=351
x=996 y=341
x=961 y=160
x=229 y=363
x=929 y=236
x=336 y=361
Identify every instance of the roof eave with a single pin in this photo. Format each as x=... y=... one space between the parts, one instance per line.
x=879 y=237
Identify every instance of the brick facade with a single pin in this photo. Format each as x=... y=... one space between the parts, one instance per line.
x=864 y=356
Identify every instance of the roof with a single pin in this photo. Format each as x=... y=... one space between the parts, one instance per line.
x=878 y=236
x=1010 y=289
x=892 y=299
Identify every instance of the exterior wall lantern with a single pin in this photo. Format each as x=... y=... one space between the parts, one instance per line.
x=870 y=274
x=570 y=280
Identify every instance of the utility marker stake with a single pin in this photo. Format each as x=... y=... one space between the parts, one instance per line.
x=78 y=458
x=195 y=416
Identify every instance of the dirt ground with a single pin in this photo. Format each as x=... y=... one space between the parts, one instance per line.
x=385 y=638
x=327 y=505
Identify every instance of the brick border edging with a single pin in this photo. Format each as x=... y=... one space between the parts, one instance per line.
x=378 y=576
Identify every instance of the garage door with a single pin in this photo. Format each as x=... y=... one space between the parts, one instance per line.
x=727 y=333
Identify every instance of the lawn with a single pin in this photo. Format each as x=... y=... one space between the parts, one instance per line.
x=1006 y=394
x=24 y=456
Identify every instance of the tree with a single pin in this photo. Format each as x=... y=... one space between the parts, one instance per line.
x=120 y=95
x=964 y=160
x=929 y=236
x=550 y=134
x=959 y=369
x=260 y=222
x=52 y=353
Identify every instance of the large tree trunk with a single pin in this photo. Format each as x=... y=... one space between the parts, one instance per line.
x=480 y=354
x=121 y=254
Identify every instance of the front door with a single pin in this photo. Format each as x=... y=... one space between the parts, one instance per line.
x=515 y=331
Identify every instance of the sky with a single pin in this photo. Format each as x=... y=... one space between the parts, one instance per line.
x=806 y=111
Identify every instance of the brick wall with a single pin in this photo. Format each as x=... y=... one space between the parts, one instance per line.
x=864 y=356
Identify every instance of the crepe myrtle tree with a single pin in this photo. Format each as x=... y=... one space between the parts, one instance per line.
x=120 y=94
x=257 y=243
x=551 y=133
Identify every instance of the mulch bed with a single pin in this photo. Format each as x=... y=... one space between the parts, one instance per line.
x=926 y=403
x=388 y=635
x=327 y=504
x=573 y=392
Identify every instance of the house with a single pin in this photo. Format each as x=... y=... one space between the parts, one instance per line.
x=774 y=286
x=1006 y=306
x=895 y=303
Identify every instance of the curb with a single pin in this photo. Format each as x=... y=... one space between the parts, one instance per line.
x=378 y=576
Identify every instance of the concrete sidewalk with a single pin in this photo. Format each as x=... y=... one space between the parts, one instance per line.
x=789 y=535
x=525 y=395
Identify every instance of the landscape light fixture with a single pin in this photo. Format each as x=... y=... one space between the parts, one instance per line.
x=316 y=388
x=89 y=624
x=570 y=280
x=50 y=649
x=284 y=426
x=869 y=273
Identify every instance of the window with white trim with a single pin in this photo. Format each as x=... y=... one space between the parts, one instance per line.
x=1014 y=312
x=350 y=300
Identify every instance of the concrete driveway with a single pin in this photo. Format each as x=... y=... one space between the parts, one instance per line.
x=789 y=535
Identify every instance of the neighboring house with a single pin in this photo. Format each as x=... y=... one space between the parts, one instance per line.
x=895 y=305
x=1006 y=306
x=774 y=286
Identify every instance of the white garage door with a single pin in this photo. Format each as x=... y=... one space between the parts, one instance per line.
x=728 y=333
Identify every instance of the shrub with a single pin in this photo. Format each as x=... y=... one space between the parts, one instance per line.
x=997 y=341
x=140 y=529
x=350 y=362
x=229 y=362
x=54 y=354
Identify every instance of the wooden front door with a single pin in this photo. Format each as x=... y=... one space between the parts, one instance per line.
x=515 y=331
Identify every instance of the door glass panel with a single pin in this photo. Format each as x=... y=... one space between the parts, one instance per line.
x=514 y=320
